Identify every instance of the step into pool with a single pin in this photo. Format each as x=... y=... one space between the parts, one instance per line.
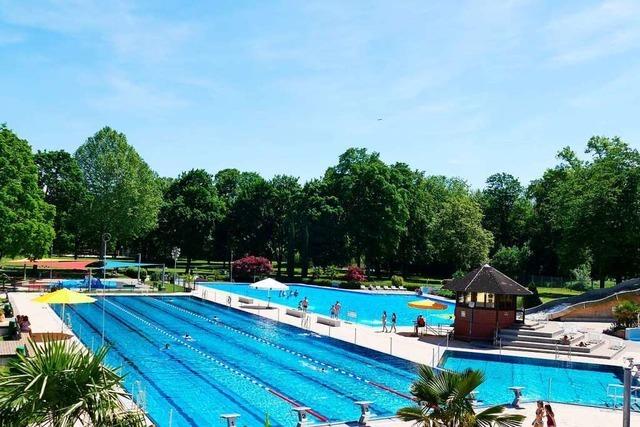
x=234 y=362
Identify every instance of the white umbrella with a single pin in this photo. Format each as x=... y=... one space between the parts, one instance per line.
x=269 y=285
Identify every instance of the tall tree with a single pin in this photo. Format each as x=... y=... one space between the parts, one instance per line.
x=190 y=213
x=456 y=232
x=284 y=198
x=250 y=226
x=596 y=209
x=124 y=194
x=374 y=206
x=321 y=239
x=61 y=180
x=26 y=220
x=507 y=210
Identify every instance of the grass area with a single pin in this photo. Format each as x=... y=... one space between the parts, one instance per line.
x=170 y=287
x=549 y=294
x=4 y=371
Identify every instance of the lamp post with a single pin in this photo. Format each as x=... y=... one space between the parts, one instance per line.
x=105 y=238
x=139 y=261
x=175 y=254
x=627 y=378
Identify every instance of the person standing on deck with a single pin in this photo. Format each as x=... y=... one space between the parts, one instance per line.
x=384 y=321
x=394 y=320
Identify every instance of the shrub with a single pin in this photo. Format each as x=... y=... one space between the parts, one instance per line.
x=446 y=293
x=355 y=274
x=316 y=272
x=577 y=286
x=626 y=314
x=349 y=285
x=532 y=300
x=397 y=281
x=331 y=271
x=249 y=267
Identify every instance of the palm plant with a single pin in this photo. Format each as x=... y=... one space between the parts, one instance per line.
x=444 y=400
x=61 y=385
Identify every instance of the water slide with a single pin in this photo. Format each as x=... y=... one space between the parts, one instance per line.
x=597 y=301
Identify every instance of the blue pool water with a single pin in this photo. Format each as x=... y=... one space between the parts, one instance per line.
x=367 y=306
x=236 y=362
x=556 y=381
x=84 y=284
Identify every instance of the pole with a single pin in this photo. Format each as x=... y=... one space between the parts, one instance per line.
x=89 y=279
x=231 y=267
x=139 y=260
x=626 y=407
x=103 y=304
x=162 y=278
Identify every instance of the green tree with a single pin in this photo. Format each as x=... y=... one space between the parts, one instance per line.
x=507 y=210
x=374 y=206
x=124 y=194
x=511 y=260
x=321 y=240
x=248 y=221
x=456 y=233
x=63 y=385
x=445 y=401
x=61 y=180
x=282 y=209
x=26 y=220
x=190 y=213
x=594 y=208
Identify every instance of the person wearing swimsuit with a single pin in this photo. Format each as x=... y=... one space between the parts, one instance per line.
x=551 y=418
x=539 y=421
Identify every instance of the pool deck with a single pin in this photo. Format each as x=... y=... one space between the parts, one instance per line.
x=426 y=350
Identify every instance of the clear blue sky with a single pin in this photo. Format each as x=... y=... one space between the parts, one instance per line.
x=463 y=89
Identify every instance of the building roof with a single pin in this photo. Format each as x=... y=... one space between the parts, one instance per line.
x=487 y=279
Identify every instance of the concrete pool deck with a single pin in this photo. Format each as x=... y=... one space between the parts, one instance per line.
x=424 y=350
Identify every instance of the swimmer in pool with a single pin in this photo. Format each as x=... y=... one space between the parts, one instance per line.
x=166 y=346
x=187 y=337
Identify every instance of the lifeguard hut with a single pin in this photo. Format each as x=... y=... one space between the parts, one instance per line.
x=486 y=301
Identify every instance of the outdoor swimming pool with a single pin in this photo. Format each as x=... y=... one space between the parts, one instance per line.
x=236 y=362
x=367 y=306
x=551 y=380
x=84 y=283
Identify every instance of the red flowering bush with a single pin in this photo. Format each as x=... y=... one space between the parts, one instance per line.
x=355 y=274
x=248 y=267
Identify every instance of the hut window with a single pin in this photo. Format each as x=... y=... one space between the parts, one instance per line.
x=490 y=300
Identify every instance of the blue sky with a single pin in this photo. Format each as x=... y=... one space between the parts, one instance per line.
x=463 y=88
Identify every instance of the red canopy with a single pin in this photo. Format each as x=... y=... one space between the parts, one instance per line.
x=53 y=264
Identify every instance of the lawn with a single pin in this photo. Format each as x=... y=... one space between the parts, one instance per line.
x=549 y=294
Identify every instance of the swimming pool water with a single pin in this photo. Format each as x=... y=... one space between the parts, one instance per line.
x=236 y=362
x=84 y=284
x=551 y=380
x=367 y=306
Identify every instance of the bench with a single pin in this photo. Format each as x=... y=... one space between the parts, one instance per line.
x=295 y=313
x=245 y=300
x=327 y=321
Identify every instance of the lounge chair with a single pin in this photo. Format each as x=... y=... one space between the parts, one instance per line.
x=394 y=288
x=386 y=288
x=402 y=288
x=363 y=287
x=377 y=288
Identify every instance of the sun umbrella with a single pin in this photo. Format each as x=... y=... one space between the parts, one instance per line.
x=269 y=285
x=427 y=304
x=64 y=297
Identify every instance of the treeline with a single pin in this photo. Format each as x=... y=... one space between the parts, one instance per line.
x=581 y=217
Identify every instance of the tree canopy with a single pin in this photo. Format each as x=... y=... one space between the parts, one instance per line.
x=581 y=215
x=124 y=195
x=62 y=183
x=26 y=220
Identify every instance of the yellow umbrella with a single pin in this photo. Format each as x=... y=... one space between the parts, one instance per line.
x=427 y=304
x=64 y=297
